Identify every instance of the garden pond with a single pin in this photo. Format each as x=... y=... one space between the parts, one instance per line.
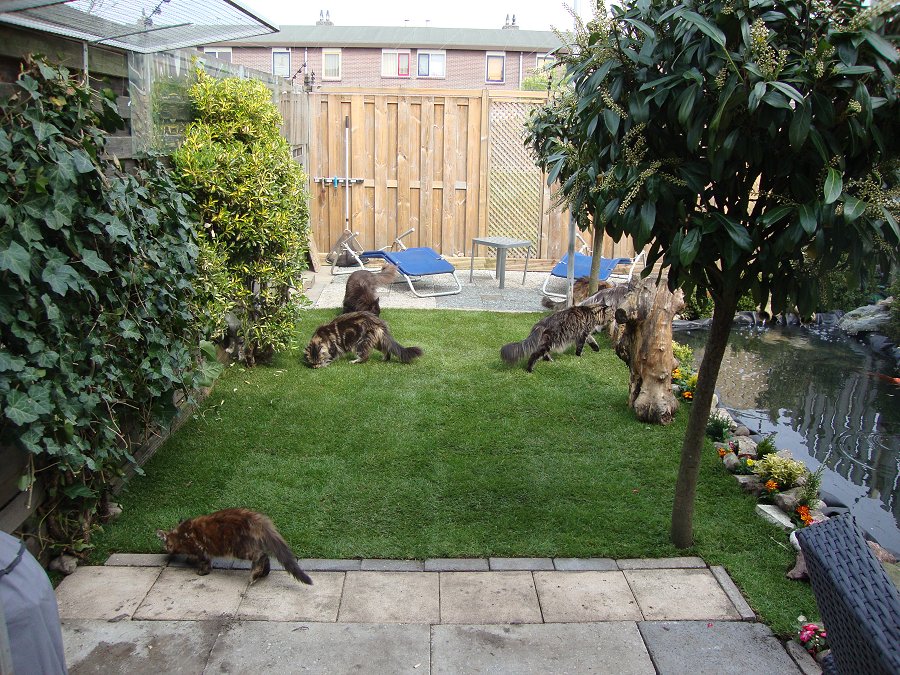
x=829 y=399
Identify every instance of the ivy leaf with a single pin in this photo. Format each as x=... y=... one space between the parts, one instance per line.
x=80 y=490
x=834 y=184
x=21 y=409
x=94 y=262
x=61 y=278
x=17 y=260
x=83 y=163
x=44 y=130
x=8 y=362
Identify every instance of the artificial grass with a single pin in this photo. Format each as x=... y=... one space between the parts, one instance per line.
x=454 y=455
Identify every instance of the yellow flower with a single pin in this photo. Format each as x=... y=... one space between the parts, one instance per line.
x=750 y=462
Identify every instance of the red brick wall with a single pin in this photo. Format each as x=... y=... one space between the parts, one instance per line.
x=361 y=67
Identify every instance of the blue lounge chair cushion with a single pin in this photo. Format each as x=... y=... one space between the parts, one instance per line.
x=414 y=262
x=583 y=266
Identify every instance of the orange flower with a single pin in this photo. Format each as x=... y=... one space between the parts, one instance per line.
x=688 y=395
x=805 y=516
x=722 y=452
x=771 y=485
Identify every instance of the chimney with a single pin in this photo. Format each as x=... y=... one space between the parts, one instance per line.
x=324 y=18
x=510 y=24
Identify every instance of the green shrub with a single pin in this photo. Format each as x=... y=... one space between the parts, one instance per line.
x=253 y=205
x=96 y=268
x=785 y=471
x=684 y=355
x=809 y=493
x=717 y=427
x=766 y=446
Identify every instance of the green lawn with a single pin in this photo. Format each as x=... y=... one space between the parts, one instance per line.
x=453 y=455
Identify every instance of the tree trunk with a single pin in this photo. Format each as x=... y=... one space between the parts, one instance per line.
x=686 y=486
x=642 y=336
x=596 y=253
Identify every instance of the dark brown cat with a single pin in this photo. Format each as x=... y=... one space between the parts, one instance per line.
x=357 y=332
x=580 y=292
x=361 y=295
x=555 y=333
x=232 y=533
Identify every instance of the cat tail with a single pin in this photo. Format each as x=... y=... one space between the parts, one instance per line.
x=554 y=305
x=393 y=348
x=516 y=351
x=278 y=547
x=386 y=276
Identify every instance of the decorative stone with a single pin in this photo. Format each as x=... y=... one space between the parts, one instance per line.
x=774 y=515
x=746 y=446
x=66 y=564
x=868 y=319
x=113 y=511
x=741 y=431
x=794 y=541
x=725 y=415
x=881 y=553
x=788 y=501
x=799 y=572
x=751 y=484
x=731 y=462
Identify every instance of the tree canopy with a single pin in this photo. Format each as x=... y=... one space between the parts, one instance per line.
x=744 y=141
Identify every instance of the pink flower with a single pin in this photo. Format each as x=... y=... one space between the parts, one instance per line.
x=806 y=635
x=823 y=634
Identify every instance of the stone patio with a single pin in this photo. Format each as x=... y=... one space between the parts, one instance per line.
x=137 y=614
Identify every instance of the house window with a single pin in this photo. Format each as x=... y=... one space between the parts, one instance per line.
x=281 y=62
x=432 y=64
x=545 y=61
x=494 y=67
x=221 y=53
x=331 y=64
x=394 y=63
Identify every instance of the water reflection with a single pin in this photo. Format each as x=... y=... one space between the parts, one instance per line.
x=828 y=399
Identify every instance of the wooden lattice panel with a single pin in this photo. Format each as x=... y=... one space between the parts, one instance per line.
x=515 y=183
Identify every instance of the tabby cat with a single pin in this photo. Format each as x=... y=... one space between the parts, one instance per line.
x=580 y=292
x=360 y=295
x=358 y=332
x=232 y=533
x=555 y=333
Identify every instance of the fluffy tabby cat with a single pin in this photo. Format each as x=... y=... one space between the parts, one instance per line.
x=555 y=333
x=360 y=295
x=580 y=290
x=232 y=533
x=357 y=332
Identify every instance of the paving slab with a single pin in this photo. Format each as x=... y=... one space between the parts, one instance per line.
x=104 y=592
x=571 y=597
x=183 y=595
x=585 y=564
x=715 y=648
x=686 y=562
x=498 y=597
x=456 y=565
x=614 y=647
x=138 y=647
x=680 y=594
x=390 y=597
x=519 y=564
x=733 y=592
x=137 y=559
x=280 y=597
x=328 y=565
x=255 y=647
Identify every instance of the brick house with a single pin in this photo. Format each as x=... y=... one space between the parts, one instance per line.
x=395 y=57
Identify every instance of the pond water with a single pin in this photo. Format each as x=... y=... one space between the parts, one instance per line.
x=830 y=400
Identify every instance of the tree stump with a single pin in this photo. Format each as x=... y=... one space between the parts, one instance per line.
x=642 y=334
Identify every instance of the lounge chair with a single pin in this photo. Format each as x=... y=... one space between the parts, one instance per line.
x=414 y=263
x=859 y=604
x=583 y=269
x=344 y=256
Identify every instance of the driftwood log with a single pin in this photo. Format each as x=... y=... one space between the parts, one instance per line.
x=639 y=318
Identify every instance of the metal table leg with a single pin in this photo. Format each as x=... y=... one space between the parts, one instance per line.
x=501 y=265
x=472 y=262
x=527 y=255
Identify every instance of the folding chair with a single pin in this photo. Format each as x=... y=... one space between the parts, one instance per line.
x=583 y=269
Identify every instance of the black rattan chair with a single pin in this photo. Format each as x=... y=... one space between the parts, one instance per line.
x=859 y=604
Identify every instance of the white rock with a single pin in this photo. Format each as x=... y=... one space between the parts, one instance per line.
x=793 y=539
x=868 y=319
x=774 y=515
x=64 y=563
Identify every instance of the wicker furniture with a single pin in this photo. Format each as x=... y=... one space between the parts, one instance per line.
x=859 y=604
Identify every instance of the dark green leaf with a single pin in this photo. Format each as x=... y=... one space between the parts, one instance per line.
x=20 y=409
x=882 y=46
x=644 y=28
x=853 y=208
x=736 y=231
x=841 y=69
x=11 y=363
x=82 y=162
x=772 y=216
x=17 y=260
x=788 y=91
x=799 y=128
x=807 y=218
x=690 y=246
x=776 y=100
x=833 y=186
x=711 y=31
x=94 y=262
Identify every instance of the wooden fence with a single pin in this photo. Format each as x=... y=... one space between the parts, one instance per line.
x=445 y=162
